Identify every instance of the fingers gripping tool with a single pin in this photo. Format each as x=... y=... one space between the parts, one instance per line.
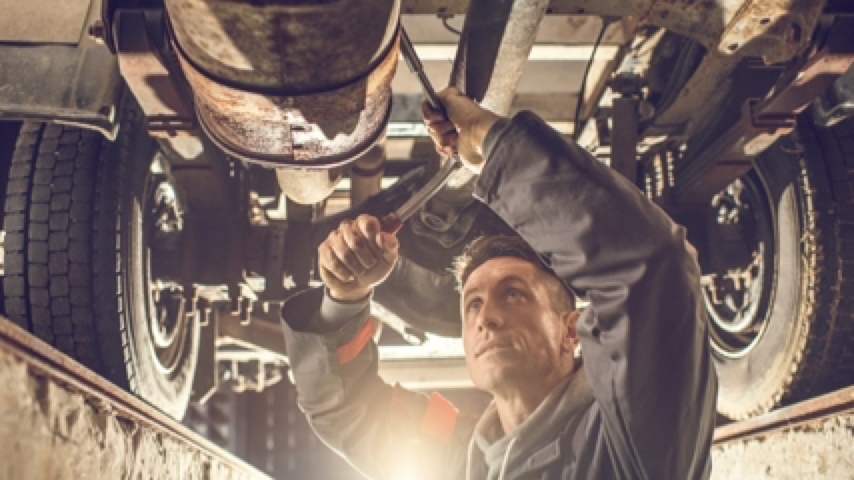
x=392 y=222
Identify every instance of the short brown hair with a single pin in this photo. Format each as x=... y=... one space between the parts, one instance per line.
x=487 y=247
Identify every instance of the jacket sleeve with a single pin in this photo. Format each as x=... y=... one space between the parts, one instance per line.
x=644 y=335
x=382 y=430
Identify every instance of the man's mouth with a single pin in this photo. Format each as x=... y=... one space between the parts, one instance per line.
x=490 y=346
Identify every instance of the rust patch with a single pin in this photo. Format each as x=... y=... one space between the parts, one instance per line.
x=775 y=30
x=322 y=130
x=288 y=47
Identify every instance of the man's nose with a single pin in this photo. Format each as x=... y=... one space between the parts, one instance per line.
x=490 y=317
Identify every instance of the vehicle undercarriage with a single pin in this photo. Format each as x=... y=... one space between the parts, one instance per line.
x=171 y=166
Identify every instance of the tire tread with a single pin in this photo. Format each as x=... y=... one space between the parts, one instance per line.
x=47 y=182
x=827 y=361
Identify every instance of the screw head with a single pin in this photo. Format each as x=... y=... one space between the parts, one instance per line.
x=97 y=30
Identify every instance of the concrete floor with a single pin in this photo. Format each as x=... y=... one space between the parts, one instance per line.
x=821 y=450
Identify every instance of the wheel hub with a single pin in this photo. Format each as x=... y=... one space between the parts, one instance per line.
x=737 y=297
x=163 y=224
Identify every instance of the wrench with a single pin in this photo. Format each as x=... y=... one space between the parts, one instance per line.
x=393 y=221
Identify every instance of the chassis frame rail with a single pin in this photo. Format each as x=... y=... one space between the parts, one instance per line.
x=811 y=439
x=809 y=411
x=59 y=420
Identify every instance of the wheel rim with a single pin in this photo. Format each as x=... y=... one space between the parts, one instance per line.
x=738 y=299
x=163 y=230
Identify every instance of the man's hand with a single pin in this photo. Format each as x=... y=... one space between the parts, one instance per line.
x=356 y=257
x=464 y=130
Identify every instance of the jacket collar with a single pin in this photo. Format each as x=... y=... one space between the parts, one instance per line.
x=534 y=438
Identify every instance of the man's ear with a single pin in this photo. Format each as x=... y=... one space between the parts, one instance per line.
x=569 y=320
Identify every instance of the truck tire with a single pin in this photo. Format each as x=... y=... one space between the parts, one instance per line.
x=788 y=334
x=78 y=269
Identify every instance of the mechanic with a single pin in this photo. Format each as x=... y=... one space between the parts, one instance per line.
x=639 y=403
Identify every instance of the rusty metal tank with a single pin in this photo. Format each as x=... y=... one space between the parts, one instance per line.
x=290 y=83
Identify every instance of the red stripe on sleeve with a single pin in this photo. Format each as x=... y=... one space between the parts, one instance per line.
x=349 y=350
x=440 y=419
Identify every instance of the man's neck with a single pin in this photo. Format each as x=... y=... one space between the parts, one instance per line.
x=515 y=405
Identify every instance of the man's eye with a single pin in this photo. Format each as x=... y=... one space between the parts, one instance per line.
x=473 y=305
x=514 y=294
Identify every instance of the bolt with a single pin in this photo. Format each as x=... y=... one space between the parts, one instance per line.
x=235 y=305
x=245 y=311
x=97 y=30
x=714 y=288
x=204 y=317
x=204 y=312
x=191 y=295
x=793 y=33
x=190 y=300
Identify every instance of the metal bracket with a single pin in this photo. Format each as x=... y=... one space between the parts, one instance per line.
x=762 y=122
x=624 y=137
x=165 y=105
x=206 y=378
x=837 y=103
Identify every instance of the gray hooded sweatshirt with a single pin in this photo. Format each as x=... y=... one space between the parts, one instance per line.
x=642 y=406
x=535 y=445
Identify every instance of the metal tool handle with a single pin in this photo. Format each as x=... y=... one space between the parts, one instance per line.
x=415 y=65
x=391 y=223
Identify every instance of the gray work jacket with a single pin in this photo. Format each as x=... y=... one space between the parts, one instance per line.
x=642 y=406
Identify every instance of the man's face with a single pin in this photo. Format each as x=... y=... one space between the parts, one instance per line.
x=511 y=333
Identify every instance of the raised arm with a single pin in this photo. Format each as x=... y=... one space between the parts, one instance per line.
x=644 y=335
x=380 y=429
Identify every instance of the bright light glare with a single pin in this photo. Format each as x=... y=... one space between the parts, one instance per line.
x=434 y=347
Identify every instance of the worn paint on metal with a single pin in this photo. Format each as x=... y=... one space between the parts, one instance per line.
x=775 y=30
x=812 y=410
x=322 y=130
x=761 y=122
x=286 y=48
x=166 y=111
x=702 y=93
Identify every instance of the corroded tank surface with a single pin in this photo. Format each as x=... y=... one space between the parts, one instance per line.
x=298 y=83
